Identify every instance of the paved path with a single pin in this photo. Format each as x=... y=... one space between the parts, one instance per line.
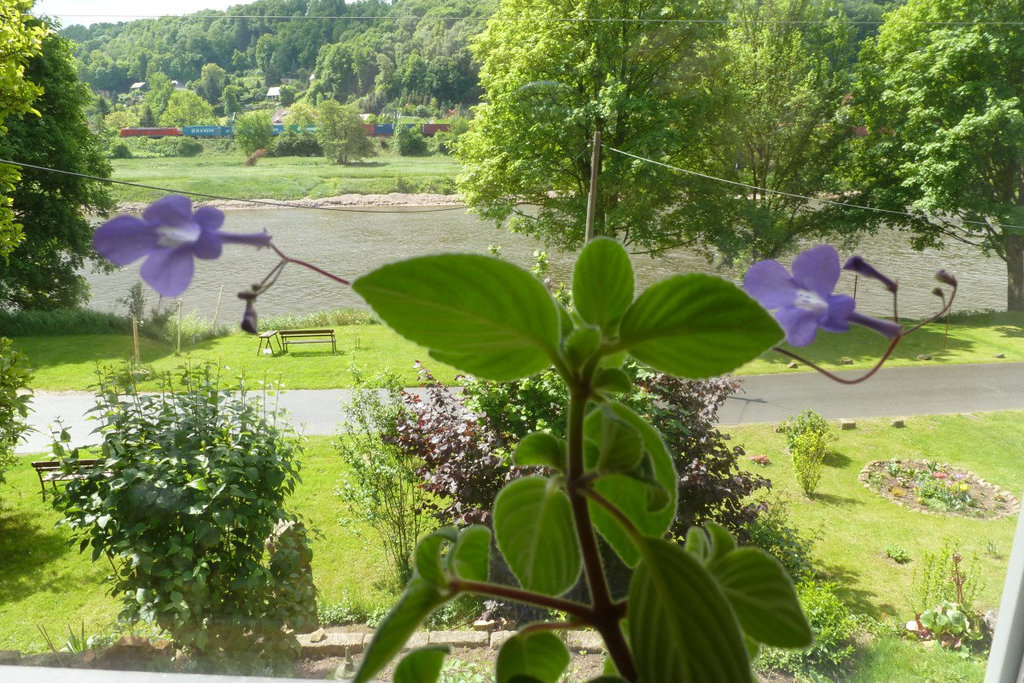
x=764 y=398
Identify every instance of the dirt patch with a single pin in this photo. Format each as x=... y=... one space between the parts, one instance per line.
x=933 y=487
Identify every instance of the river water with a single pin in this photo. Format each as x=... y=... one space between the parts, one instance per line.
x=352 y=243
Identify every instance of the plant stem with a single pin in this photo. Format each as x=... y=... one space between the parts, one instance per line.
x=606 y=615
x=519 y=595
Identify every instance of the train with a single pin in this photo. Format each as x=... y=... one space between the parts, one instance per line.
x=375 y=129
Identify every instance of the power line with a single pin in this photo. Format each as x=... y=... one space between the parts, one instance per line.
x=603 y=20
x=781 y=193
x=283 y=204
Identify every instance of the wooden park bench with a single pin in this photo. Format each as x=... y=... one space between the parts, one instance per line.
x=266 y=342
x=308 y=337
x=53 y=471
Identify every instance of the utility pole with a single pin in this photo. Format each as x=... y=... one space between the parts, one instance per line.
x=595 y=170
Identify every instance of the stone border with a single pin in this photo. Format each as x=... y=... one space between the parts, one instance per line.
x=1012 y=504
x=327 y=643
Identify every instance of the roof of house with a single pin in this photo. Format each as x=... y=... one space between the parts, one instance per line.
x=275 y=91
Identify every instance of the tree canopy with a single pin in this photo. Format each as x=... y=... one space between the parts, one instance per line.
x=341 y=134
x=42 y=271
x=550 y=84
x=942 y=93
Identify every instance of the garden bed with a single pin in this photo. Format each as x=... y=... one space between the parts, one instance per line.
x=929 y=486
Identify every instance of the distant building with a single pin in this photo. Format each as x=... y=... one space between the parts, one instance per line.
x=274 y=92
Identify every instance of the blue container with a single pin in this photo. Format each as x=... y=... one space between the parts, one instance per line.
x=384 y=129
x=207 y=131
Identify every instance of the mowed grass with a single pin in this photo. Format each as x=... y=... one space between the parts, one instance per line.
x=972 y=338
x=45 y=581
x=70 y=363
x=284 y=178
x=852 y=525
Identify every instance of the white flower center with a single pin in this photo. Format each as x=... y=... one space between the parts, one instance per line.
x=810 y=301
x=177 y=235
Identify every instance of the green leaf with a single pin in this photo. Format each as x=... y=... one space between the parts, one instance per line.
x=680 y=625
x=418 y=601
x=541 y=655
x=581 y=344
x=621 y=446
x=533 y=525
x=470 y=558
x=763 y=597
x=422 y=665
x=629 y=493
x=722 y=542
x=427 y=556
x=602 y=282
x=697 y=543
x=484 y=316
x=541 y=448
x=697 y=326
x=614 y=380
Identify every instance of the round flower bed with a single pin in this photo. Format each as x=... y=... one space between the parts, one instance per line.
x=929 y=486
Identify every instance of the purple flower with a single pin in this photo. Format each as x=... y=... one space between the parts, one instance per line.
x=803 y=302
x=169 y=235
x=858 y=265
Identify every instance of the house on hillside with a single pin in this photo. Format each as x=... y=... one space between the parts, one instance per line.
x=274 y=93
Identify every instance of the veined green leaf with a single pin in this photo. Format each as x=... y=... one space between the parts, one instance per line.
x=533 y=525
x=418 y=601
x=762 y=596
x=629 y=494
x=680 y=625
x=697 y=326
x=541 y=656
x=422 y=665
x=541 y=448
x=470 y=558
x=621 y=446
x=482 y=315
x=427 y=556
x=602 y=282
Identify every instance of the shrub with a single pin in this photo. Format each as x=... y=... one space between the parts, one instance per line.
x=410 y=141
x=897 y=553
x=943 y=576
x=120 y=151
x=14 y=400
x=804 y=423
x=63 y=322
x=384 y=487
x=773 y=532
x=189 y=148
x=808 y=451
x=296 y=145
x=834 y=628
x=189 y=510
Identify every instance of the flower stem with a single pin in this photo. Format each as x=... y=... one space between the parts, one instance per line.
x=583 y=612
x=304 y=264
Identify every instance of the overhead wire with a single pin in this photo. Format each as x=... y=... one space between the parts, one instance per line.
x=793 y=195
x=277 y=204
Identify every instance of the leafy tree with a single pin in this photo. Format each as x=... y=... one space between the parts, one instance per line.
x=253 y=131
x=212 y=81
x=341 y=134
x=410 y=141
x=784 y=83
x=42 y=271
x=122 y=118
x=20 y=38
x=233 y=100
x=14 y=401
x=160 y=90
x=550 y=84
x=941 y=92
x=186 y=108
x=301 y=114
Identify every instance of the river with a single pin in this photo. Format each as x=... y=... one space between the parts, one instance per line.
x=352 y=243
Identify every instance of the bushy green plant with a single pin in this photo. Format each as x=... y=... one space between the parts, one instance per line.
x=64 y=322
x=120 y=151
x=773 y=532
x=950 y=624
x=834 y=628
x=188 y=508
x=337 y=318
x=806 y=422
x=14 y=401
x=410 y=141
x=945 y=576
x=897 y=553
x=189 y=148
x=383 y=487
x=808 y=450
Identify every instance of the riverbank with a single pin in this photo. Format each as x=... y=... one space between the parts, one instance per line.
x=390 y=200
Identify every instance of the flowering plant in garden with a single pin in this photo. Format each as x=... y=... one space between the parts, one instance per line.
x=698 y=611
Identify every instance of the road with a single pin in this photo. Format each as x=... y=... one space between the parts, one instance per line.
x=893 y=392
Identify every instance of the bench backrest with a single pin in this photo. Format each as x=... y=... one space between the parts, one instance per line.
x=56 y=464
x=306 y=333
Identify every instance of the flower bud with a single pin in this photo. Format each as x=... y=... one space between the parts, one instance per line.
x=945 y=278
x=250 y=319
x=858 y=265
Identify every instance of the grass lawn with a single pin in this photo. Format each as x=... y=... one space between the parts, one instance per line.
x=44 y=581
x=69 y=362
x=283 y=178
x=852 y=525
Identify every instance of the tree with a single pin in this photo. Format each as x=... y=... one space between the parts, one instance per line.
x=42 y=271
x=341 y=134
x=253 y=131
x=941 y=92
x=20 y=38
x=785 y=80
x=233 y=100
x=212 y=80
x=186 y=108
x=160 y=90
x=550 y=84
